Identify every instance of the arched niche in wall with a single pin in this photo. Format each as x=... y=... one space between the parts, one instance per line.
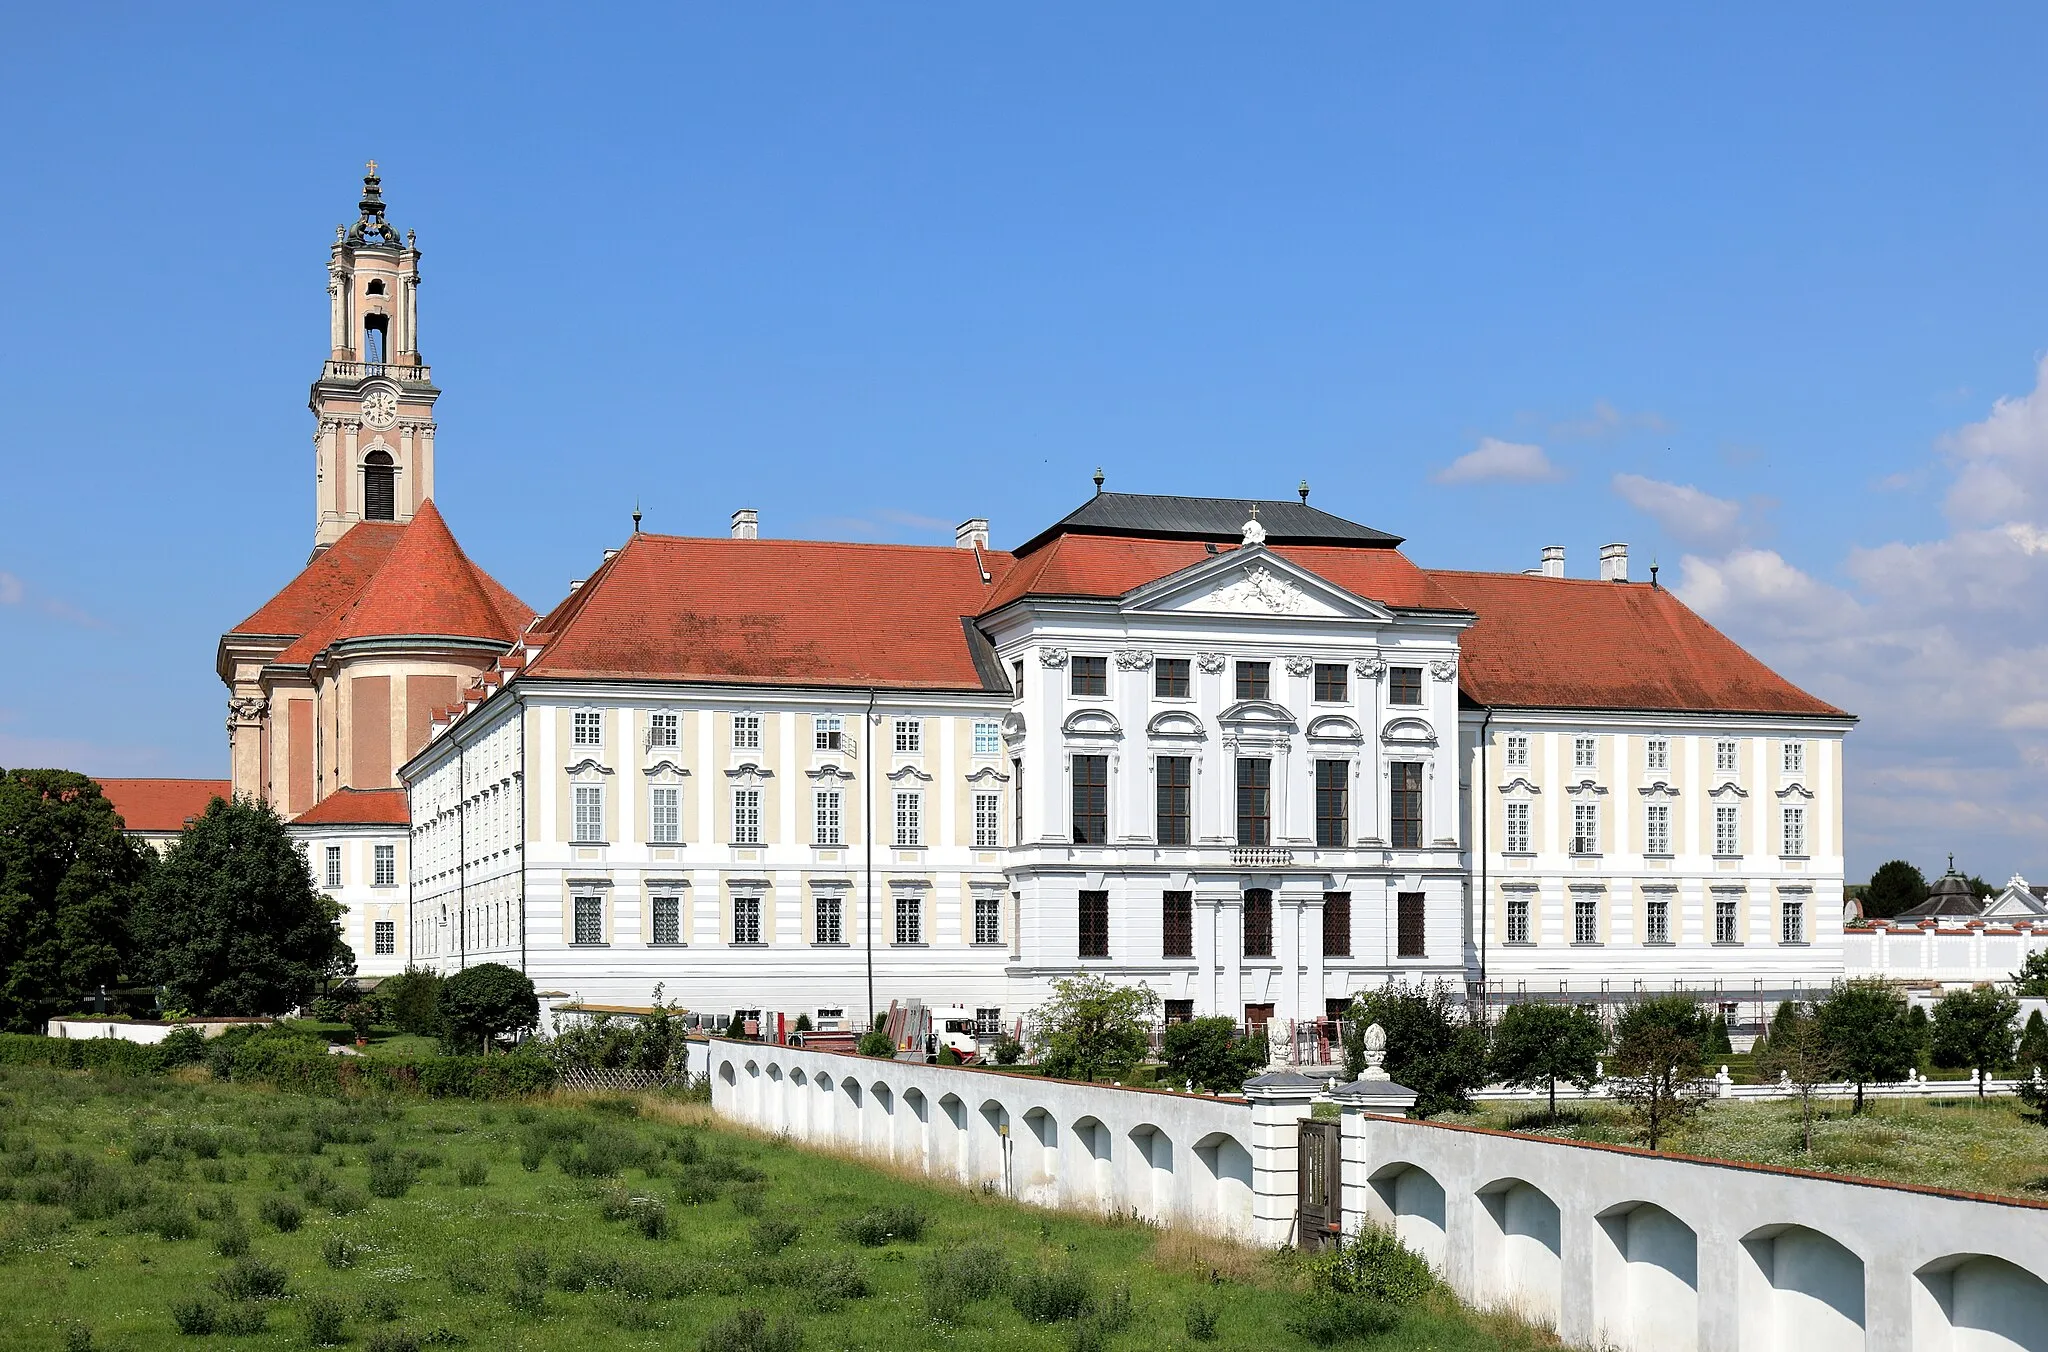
x=1329 y=728
x=1093 y=723
x=1176 y=725
x=1415 y=733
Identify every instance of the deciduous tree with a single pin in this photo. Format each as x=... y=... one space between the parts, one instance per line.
x=1536 y=1045
x=483 y=1003
x=1659 y=1064
x=1974 y=1028
x=1431 y=1047
x=2032 y=977
x=1210 y=1054
x=1092 y=1027
x=1892 y=888
x=1869 y=1033
x=1797 y=1053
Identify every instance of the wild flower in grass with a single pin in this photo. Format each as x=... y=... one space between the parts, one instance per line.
x=346 y=1201
x=1117 y=1312
x=251 y=1279
x=324 y=1318
x=749 y=1331
x=319 y=1187
x=338 y=1251
x=629 y=1314
x=531 y=1155
x=231 y=1240
x=78 y=1338
x=467 y=1275
x=527 y=1299
x=879 y=1225
x=650 y=1214
x=380 y=1306
x=196 y=1317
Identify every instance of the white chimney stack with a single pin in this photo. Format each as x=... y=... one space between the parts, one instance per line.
x=1614 y=563
x=971 y=533
x=746 y=524
x=1553 y=560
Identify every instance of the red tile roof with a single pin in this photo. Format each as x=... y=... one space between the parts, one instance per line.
x=1567 y=643
x=161 y=804
x=1109 y=566
x=775 y=612
x=327 y=583
x=358 y=807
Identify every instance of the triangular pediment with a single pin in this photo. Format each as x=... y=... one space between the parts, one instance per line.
x=1252 y=582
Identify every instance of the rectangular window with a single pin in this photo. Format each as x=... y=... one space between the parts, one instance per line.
x=663 y=730
x=1518 y=828
x=589 y=920
x=668 y=920
x=1410 y=931
x=826 y=816
x=1518 y=749
x=988 y=1021
x=1585 y=920
x=1333 y=803
x=1724 y=757
x=1177 y=924
x=1518 y=920
x=1254 y=680
x=1254 y=801
x=1724 y=920
x=1017 y=801
x=827 y=733
x=1406 y=823
x=1795 y=831
x=1657 y=920
x=1336 y=924
x=1727 y=830
x=1792 y=921
x=746 y=816
x=746 y=920
x=1657 y=829
x=1404 y=685
x=1333 y=683
x=988 y=738
x=587 y=728
x=1657 y=754
x=909 y=918
x=1094 y=924
x=1017 y=681
x=386 y=937
x=1091 y=800
x=827 y=918
x=988 y=919
x=1170 y=678
x=385 y=860
x=909 y=736
x=590 y=812
x=746 y=732
x=1585 y=828
x=1180 y=1011
x=1258 y=923
x=988 y=820
x=909 y=817
x=1175 y=795
x=665 y=815
x=1795 y=758
x=334 y=865
x=1585 y=753
x=1090 y=676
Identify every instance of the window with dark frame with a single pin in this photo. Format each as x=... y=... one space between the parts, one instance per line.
x=1180 y=1011
x=1017 y=802
x=1094 y=924
x=1336 y=924
x=1333 y=803
x=1254 y=680
x=1333 y=683
x=1258 y=923
x=1091 y=800
x=1254 y=801
x=909 y=918
x=828 y=915
x=988 y=919
x=746 y=920
x=1175 y=776
x=1410 y=931
x=1170 y=678
x=1404 y=685
x=668 y=920
x=1405 y=825
x=1090 y=676
x=1177 y=924
x=387 y=937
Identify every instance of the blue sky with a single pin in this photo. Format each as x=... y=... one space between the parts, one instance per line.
x=1744 y=289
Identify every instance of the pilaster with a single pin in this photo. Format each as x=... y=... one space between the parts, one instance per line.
x=1279 y=1099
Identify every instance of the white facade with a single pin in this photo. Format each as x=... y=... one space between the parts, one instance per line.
x=364 y=868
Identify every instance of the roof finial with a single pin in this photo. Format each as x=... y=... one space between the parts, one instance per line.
x=1254 y=533
x=636 y=515
x=1098 y=478
x=1951 y=861
x=1255 y=511
x=1653 y=573
x=1303 y=490
x=370 y=165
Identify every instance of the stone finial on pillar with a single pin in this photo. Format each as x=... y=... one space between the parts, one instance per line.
x=1280 y=1098
x=1374 y=1091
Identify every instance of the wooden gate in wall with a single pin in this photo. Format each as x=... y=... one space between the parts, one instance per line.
x=1319 y=1177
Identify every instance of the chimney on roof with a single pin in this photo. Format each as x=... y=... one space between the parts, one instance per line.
x=1553 y=560
x=746 y=524
x=1614 y=563
x=576 y=584
x=971 y=533
x=610 y=554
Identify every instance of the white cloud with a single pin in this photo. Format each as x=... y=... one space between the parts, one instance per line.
x=15 y=592
x=1497 y=461
x=1689 y=515
x=2002 y=462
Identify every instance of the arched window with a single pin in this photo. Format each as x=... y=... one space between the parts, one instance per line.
x=380 y=487
x=375 y=288
x=374 y=332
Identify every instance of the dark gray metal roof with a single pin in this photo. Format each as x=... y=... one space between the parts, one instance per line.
x=1159 y=516
x=1950 y=895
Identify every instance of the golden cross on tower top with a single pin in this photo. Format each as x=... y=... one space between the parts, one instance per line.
x=371 y=165
x=1255 y=511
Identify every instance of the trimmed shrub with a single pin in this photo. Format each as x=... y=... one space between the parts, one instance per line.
x=379 y=1305
x=168 y=1220
x=391 y=1176
x=750 y=1199
x=346 y=1201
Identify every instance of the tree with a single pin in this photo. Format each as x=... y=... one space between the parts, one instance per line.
x=68 y=878
x=1869 y=1034
x=1536 y=1045
x=1659 y=1064
x=2033 y=1067
x=1894 y=887
x=411 y=1000
x=1210 y=1054
x=1974 y=1028
x=230 y=922
x=1431 y=1047
x=2032 y=977
x=1798 y=1053
x=483 y=1003
x=1092 y=1027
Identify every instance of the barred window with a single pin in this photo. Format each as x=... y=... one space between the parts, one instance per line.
x=909 y=918
x=1177 y=924
x=668 y=920
x=1585 y=828
x=1336 y=924
x=385 y=860
x=663 y=730
x=1254 y=680
x=826 y=733
x=1090 y=676
x=988 y=919
x=1792 y=921
x=1725 y=756
x=825 y=816
x=1795 y=758
x=1174 y=791
x=1657 y=920
x=1657 y=829
x=1091 y=800
x=1518 y=828
x=665 y=815
x=1727 y=830
x=1258 y=923
x=988 y=820
x=386 y=937
x=1170 y=678
x=1406 y=823
x=909 y=736
x=1795 y=831
x=827 y=918
x=1724 y=921
x=1180 y=1011
x=1518 y=749
x=1411 y=931
x=589 y=920
x=334 y=865
x=1657 y=754
x=1094 y=924
x=909 y=817
x=988 y=738
x=1518 y=920
x=590 y=812
x=587 y=728
x=1333 y=683
x=988 y=1021
x=746 y=920
x=746 y=732
x=1585 y=920
x=1404 y=685
x=1254 y=801
x=1333 y=803
x=746 y=816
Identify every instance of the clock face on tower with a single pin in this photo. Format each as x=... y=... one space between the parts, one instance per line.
x=380 y=408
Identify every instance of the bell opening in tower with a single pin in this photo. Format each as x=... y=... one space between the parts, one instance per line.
x=373 y=339
x=380 y=487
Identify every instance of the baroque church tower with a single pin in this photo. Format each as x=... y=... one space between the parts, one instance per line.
x=375 y=396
